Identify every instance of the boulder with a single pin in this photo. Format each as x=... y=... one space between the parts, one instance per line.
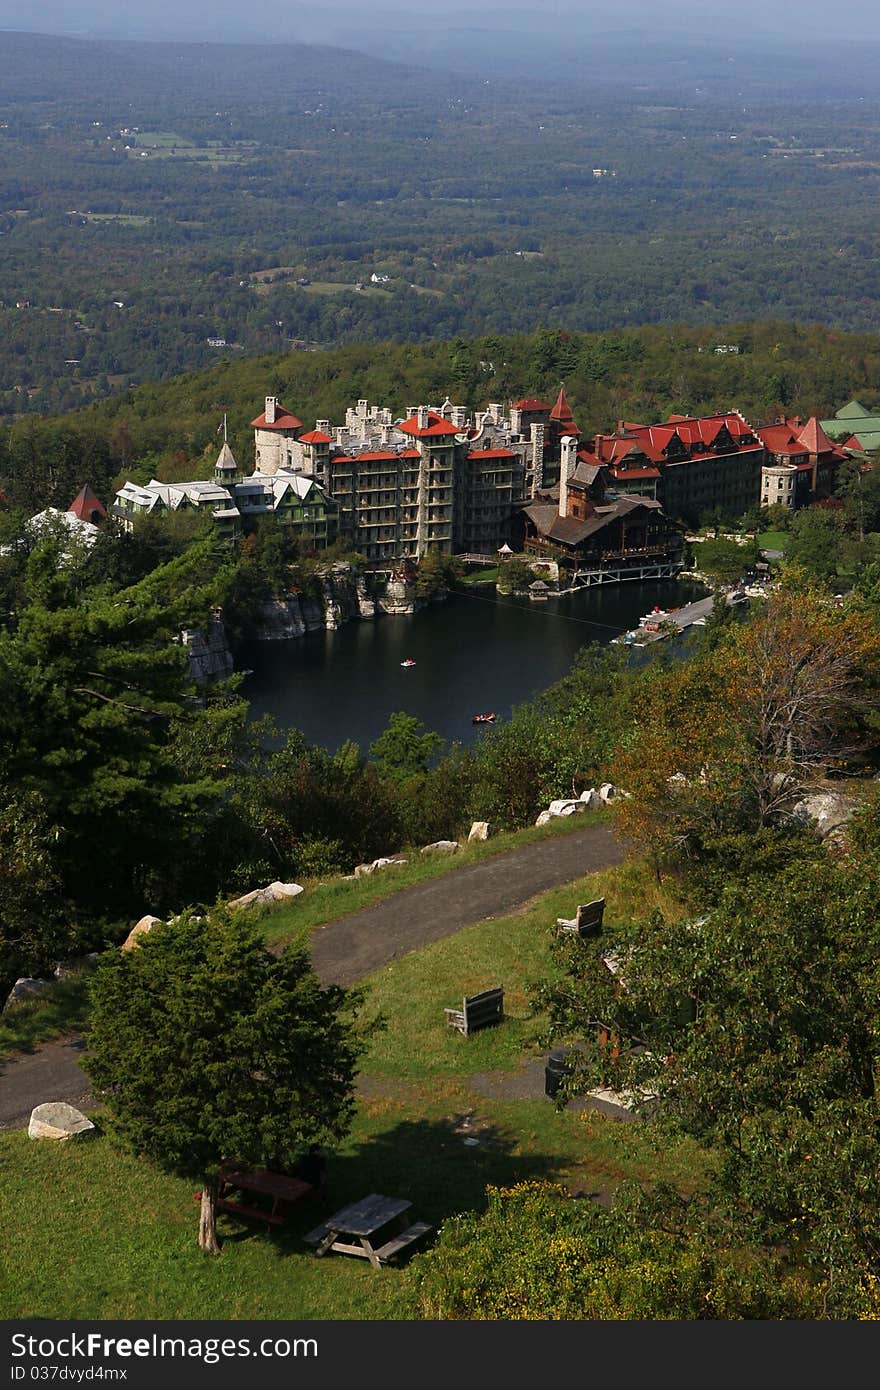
x=58 y=1120
x=441 y=847
x=138 y=930
x=607 y=792
x=480 y=830
x=828 y=811
x=266 y=897
x=28 y=987
x=591 y=799
x=543 y=818
x=565 y=807
x=364 y=870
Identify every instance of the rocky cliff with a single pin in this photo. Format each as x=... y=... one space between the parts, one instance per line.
x=208 y=652
x=340 y=596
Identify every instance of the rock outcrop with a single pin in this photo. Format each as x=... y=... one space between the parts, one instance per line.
x=441 y=847
x=208 y=652
x=58 y=1120
x=339 y=595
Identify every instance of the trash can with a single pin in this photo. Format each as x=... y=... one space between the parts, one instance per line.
x=556 y=1067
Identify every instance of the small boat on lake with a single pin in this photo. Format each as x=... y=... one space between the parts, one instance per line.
x=482 y=718
x=409 y=662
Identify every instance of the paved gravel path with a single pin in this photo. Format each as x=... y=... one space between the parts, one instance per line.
x=351 y=947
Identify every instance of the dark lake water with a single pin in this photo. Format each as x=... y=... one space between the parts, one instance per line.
x=475 y=653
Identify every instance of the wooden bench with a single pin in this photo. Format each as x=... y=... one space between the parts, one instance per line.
x=477 y=1011
x=249 y=1213
x=318 y=1234
x=587 y=921
x=393 y=1247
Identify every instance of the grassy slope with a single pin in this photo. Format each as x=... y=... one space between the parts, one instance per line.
x=65 y=1009
x=99 y=1235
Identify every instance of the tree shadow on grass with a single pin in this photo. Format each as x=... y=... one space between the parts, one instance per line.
x=441 y=1166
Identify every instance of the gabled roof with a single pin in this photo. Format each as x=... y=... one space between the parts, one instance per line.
x=478 y=454
x=780 y=438
x=530 y=403
x=284 y=420
x=315 y=437
x=436 y=428
x=85 y=503
x=852 y=410
x=853 y=442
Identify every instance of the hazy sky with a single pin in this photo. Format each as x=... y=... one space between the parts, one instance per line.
x=320 y=19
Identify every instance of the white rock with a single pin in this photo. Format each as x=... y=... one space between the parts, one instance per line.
x=480 y=830
x=57 y=1120
x=543 y=818
x=565 y=807
x=28 y=987
x=364 y=870
x=441 y=847
x=607 y=791
x=138 y=930
x=266 y=897
x=591 y=798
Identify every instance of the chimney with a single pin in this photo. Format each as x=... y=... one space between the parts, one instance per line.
x=597 y=446
x=422 y=417
x=515 y=420
x=341 y=434
x=271 y=402
x=568 y=452
x=323 y=426
x=536 y=431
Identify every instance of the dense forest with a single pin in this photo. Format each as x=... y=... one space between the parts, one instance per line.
x=149 y=225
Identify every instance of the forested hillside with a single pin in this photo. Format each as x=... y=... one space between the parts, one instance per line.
x=157 y=199
x=169 y=429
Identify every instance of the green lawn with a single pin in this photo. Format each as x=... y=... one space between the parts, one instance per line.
x=96 y=1234
x=773 y=540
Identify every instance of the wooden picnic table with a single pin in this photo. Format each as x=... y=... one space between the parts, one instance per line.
x=281 y=1189
x=364 y=1220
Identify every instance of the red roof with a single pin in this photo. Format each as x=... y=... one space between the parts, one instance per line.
x=780 y=438
x=315 y=437
x=85 y=504
x=492 y=454
x=622 y=474
x=437 y=427
x=561 y=413
x=377 y=456
x=854 y=443
x=814 y=438
x=530 y=403
x=283 y=420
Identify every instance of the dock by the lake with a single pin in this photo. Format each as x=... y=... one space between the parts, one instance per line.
x=662 y=622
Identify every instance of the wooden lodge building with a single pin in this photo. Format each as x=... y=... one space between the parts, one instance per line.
x=588 y=526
